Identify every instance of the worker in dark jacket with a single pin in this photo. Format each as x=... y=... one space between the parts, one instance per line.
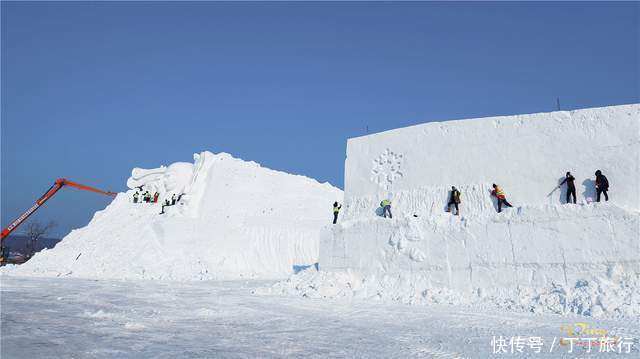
x=386 y=208
x=602 y=186
x=135 y=197
x=502 y=199
x=454 y=199
x=166 y=204
x=571 y=187
x=336 y=210
x=173 y=199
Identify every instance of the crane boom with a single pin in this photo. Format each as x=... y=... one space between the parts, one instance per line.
x=59 y=183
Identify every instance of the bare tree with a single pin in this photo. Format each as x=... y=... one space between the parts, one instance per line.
x=34 y=232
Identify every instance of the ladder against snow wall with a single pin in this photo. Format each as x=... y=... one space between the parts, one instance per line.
x=544 y=241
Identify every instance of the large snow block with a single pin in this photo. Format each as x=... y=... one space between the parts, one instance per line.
x=526 y=154
x=536 y=247
x=539 y=242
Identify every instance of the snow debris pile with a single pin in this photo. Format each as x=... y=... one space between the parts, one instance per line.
x=233 y=219
x=541 y=255
x=617 y=297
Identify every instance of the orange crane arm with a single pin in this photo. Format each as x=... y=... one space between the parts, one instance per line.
x=59 y=183
x=86 y=188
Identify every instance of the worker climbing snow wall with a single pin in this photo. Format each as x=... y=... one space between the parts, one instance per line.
x=233 y=219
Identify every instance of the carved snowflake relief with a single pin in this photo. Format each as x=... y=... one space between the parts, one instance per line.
x=386 y=169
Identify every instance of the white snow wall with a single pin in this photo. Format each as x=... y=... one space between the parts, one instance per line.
x=527 y=155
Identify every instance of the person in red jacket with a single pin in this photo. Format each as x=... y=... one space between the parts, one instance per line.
x=155 y=197
x=502 y=199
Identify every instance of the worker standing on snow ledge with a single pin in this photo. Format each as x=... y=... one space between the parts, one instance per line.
x=502 y=199
x=155 y=197
x=336 y=210
x=571 y=187
x=166 y=204
x=173 y=199
x=135 y=197
x=602 y=186
x=386 y=208
x=454 y=199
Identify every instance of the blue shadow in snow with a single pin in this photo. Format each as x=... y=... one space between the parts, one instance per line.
x=589 y=189
x=299 y=268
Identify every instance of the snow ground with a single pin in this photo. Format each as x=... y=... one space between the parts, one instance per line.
x=80 y=318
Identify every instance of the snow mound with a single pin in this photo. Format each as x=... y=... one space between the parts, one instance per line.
x=542 y=255
x=234 y=219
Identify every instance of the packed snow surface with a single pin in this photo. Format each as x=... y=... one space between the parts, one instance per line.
x=542 y=255
x=234 y=219
x=78 y=318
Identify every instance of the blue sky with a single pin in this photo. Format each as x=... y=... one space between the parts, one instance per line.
x=91 y=90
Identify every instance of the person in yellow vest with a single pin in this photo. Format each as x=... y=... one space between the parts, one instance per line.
x=336 y=210
x=502 y=199
x=454 y=200
x=386 y=208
